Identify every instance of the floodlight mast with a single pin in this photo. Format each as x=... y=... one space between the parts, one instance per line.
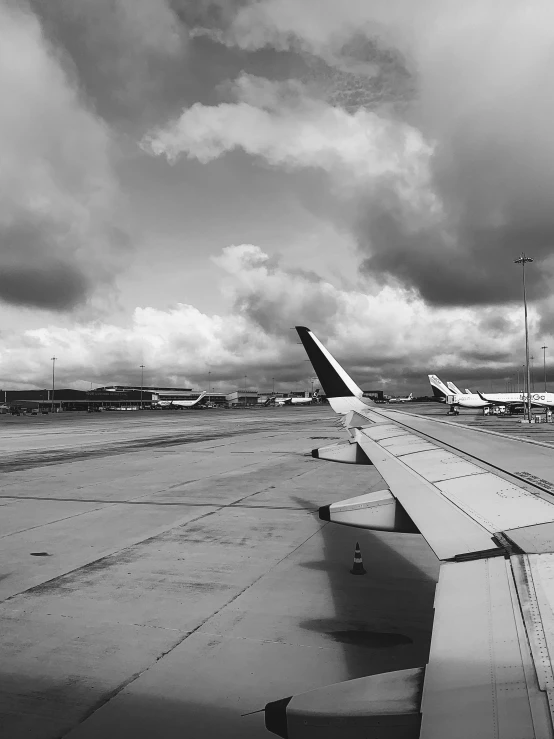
x=523 y=259
x=53 y=382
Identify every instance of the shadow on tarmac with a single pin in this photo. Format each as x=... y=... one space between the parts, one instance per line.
x=129 y=715
x=384 y=619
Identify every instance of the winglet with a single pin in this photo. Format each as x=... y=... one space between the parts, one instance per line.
x=340 y=389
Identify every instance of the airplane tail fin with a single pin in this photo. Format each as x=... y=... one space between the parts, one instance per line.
x=468 y=392
x=411 y=396
x=340 y=389
x=454 y=389
x=439 y=388
x=199 y=398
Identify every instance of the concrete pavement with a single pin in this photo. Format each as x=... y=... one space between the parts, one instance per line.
x=186 y=582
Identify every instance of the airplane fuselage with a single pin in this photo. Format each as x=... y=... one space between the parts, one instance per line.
x=473 y=400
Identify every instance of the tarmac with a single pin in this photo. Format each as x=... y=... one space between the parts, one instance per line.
x=163 y=573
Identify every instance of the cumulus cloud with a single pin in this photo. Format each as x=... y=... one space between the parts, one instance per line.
x=281 y=123
x=278 y=122
x=59 y=232
x=481 y=99
x=391 y=337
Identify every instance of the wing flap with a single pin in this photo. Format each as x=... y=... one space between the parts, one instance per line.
x=475 y=684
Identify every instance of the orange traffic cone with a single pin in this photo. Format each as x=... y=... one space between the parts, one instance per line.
x=358 y=566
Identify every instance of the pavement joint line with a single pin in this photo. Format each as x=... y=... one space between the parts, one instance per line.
x=57 y=520
x=216 y=507
x=105 y=556
x=106 y=699
x=187 y=504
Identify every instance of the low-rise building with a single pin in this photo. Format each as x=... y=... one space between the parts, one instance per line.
x=242 y=397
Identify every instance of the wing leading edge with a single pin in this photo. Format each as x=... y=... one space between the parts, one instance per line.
x=490 y=670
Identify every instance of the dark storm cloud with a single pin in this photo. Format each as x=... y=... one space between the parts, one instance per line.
x=484 y=111
x=135 y=59
x=61 y=234
x=53 y=286
x=122 y=50
x=33 y=270
x=469 y=266
x=481 y=104
x=484 y=356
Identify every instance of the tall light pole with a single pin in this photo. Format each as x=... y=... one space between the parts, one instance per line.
x=209 y=386
x=544 y=348
x=523 y=260
x=245 y=377
x=141 y=385
x=53 y=382
x=532 y=373
x=273 y=385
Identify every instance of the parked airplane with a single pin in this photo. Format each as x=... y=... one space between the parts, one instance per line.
x=542 y=400
x=482 y=400
x=182 y=403
x=454 y=389
x=298 y=401
x=402 y=400
x=490 y=671
x=465 y=400
x=474 y=400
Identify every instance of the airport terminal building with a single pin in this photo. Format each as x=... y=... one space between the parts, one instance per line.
x=132 y=397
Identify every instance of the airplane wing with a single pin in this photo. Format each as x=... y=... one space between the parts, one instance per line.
x=490 y=673
x=494 y=401
x=488 y=400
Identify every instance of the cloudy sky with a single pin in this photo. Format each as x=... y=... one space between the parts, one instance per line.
x=184 y=180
